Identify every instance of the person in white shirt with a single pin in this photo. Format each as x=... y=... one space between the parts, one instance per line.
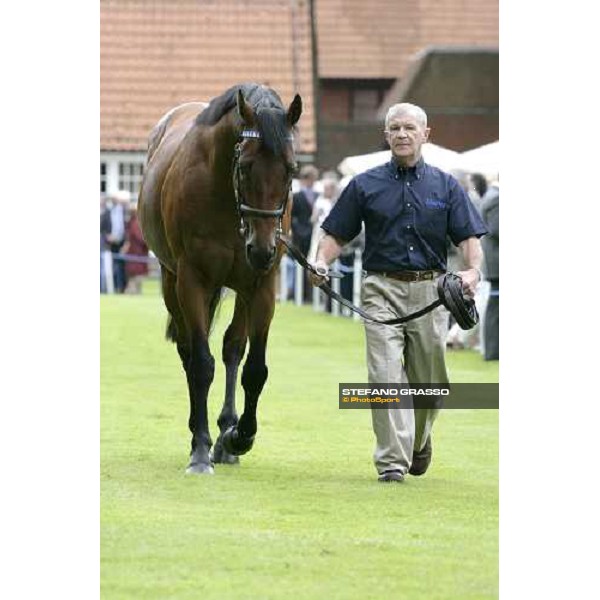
x=323 y=204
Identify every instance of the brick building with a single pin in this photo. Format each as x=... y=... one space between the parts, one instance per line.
x=366 y=52
x=155 y=54
x=349 y=58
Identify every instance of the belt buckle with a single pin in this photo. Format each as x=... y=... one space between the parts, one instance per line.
x=419 y=276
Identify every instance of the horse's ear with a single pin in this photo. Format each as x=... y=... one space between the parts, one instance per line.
x=294 y=111
x=245 y=110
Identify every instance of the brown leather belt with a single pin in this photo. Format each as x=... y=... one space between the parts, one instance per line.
x=408 y=275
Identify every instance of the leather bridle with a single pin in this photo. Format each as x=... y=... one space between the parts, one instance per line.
x=244 y=210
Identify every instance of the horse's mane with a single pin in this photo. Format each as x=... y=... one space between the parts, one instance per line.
x=268 y=109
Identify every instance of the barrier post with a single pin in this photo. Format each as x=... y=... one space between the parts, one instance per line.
x=299 y=287
x=283 y=266
x=336 y=285
x=108 y=271
x=356 y=281
x=316 y=299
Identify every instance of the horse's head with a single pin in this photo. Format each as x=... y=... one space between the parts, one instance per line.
x=263 y=168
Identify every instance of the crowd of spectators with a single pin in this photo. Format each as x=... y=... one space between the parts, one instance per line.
x=484 y=336
x=123 y=252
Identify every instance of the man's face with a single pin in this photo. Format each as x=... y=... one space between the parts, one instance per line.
x=405 y=134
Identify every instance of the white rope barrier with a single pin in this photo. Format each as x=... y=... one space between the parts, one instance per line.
x=319 y=300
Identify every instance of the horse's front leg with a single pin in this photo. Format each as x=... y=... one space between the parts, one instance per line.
x=239 y=438
x=194 y=299
x=234 y=345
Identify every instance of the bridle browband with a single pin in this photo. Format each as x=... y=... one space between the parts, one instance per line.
x=243 y=209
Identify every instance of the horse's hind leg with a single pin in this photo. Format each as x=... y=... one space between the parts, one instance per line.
x=195 y=301
x=176 y=331
x=234 y=345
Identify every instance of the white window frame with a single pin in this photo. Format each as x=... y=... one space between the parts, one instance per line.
x=114 y=181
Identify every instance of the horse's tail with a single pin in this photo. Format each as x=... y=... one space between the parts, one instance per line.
x=171 y=332
x=215 y=302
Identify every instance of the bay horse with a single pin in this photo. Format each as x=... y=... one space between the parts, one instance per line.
x=214 y=200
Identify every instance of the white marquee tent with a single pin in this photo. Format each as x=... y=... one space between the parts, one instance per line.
x=484 y=160
x=434 y=155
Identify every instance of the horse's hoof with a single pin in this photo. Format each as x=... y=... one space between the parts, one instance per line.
x=219 y=455
x=199 y=469
x=200 y=463
x=235 y=444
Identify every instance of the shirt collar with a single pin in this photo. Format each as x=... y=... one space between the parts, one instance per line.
x=417 y=170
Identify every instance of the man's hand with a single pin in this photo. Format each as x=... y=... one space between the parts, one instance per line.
x=470 y=279
x=329 y=249
x=318 y=279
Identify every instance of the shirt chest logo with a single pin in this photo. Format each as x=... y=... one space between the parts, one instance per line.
x=435 y=203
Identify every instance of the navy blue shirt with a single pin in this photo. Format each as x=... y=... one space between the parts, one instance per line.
x=407 y=212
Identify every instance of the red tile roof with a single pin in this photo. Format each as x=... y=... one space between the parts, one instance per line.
x=377 y=38
x=157 y=54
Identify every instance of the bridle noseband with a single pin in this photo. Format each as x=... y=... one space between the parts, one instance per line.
x=242 y=208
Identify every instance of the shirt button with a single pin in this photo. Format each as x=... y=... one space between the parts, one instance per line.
x=395 y=176
x=411 y=248
x=408 y=204
x=408 y=227
x=408 y=184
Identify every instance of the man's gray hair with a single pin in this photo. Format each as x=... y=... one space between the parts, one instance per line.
x=405 y=108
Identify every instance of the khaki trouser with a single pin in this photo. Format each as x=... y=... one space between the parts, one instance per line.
x=413 y=352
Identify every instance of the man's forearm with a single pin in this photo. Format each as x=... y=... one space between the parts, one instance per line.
x=329 y=249
x=472 y=256
x=472 y=253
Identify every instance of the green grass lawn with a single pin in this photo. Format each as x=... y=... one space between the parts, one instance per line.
x=303 y=515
